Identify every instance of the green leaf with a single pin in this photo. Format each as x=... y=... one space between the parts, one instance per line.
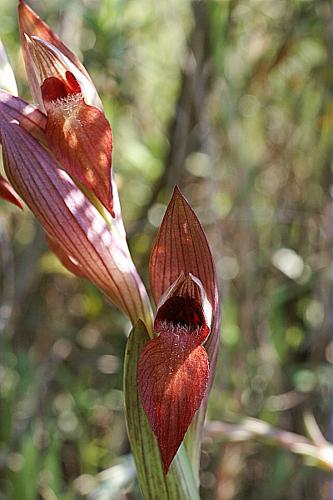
x=179 y=484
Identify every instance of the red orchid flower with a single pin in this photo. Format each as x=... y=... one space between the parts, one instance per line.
x=174 y=368
x=77 y=132
x=59 y=163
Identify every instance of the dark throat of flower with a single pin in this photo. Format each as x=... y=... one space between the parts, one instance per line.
x=182 y=316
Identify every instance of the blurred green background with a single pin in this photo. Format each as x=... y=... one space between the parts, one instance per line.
x=231 y=100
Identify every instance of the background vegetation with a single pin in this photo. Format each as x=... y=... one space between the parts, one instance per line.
x=232 y=101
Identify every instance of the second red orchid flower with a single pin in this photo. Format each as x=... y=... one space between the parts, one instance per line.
x=77 y=131
x=173 y=370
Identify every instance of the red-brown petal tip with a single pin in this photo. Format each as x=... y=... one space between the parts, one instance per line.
x=181 y=246
x=8 y=193
x=46 y=55
x=31 y=24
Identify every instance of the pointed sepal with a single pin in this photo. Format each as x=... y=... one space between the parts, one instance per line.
x=48 y=62
x=8 y=193
x=181 y=246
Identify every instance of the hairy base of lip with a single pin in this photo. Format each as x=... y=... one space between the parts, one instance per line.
x=177 y=329
x=67 y=106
